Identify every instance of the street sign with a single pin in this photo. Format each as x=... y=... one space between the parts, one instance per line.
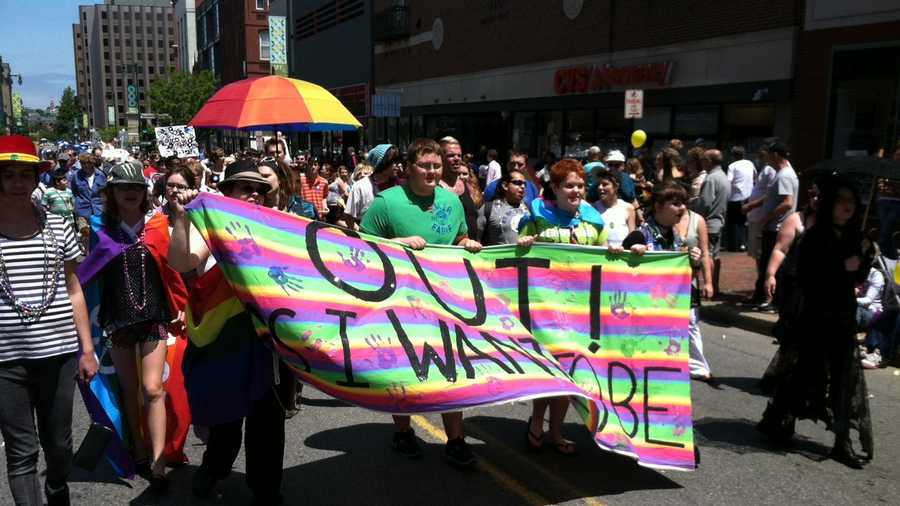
x=132 y=99
x=634 y=104
x=386 y=106
x=148 y=115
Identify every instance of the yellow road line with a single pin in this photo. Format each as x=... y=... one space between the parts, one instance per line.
x=549 y=476
x=504 y=479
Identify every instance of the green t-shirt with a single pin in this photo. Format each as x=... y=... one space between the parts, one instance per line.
x=398 y=212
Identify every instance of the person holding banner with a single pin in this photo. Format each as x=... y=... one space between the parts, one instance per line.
x=567 y=220
x=45 y=337
x=417 y=213
x=230 y=375
x=672 y=227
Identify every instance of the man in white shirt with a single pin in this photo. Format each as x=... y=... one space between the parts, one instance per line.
x=741 y=174
x=493 y=170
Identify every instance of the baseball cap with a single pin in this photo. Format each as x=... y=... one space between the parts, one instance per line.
x=127 y=172
x=615 y=156
x=779 y=148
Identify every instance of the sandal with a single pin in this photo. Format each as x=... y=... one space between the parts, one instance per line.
x=531 y=436
x=565 y=447
x=142 y=466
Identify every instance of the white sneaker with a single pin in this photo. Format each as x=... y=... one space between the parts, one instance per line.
x=872 y=360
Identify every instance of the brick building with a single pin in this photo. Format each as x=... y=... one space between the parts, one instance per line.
x=121 y=47
x=552 y=76
x=233 y=38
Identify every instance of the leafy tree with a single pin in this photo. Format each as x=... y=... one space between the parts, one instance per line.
x=69 y=112
x=108 y=133
x=180 y=95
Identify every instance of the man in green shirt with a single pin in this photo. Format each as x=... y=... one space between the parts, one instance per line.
x=415 y=214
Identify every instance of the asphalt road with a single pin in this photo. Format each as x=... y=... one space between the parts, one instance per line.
x=338 y=454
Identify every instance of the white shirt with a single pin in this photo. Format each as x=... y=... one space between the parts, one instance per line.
x=493 y=172
x=740 y=175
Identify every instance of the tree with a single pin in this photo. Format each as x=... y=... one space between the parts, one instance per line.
x=180 y=95
x=69 y=112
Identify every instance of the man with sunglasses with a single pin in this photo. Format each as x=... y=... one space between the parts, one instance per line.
x=417 y=213
x=518 y=160
x=252 y=393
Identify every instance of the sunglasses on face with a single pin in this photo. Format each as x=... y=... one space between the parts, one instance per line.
x=517 y=182
x=177 y=186
x=249 y=188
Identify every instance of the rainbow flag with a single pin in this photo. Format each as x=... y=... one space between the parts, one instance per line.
x=400 y=331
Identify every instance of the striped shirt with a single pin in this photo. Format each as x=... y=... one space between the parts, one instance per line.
x=54 y=332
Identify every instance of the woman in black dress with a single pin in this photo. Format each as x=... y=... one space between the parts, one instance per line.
x=827 y=382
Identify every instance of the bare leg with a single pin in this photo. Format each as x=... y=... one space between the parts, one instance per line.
x=401 y=423
x=558 y=408
x=153 y=360
x=539 y=407
x=453 y=424
x=126 y=371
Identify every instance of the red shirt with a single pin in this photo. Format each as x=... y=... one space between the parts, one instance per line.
x=149 y=171
x=315 y=192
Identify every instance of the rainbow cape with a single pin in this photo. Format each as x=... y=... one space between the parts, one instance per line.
x=399 y=331
x=101 y=397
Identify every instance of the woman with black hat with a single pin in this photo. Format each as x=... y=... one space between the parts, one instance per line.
x=44 y=325
x=231 y=377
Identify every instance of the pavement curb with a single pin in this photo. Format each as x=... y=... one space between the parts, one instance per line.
x=726 y=314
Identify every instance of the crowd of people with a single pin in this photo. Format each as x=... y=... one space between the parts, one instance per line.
x=60 y=209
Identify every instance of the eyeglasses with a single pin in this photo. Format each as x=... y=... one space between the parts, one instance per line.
x=517 y=182
x=177 y=186
x=429 y=166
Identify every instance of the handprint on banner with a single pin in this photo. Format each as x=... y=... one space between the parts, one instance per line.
x=674 y=347
x=617 y=305
x=287 y=283
x=416 y=304
x=661 y=292
x=244 y=244
x=387 y=357
x=356 y=259
x=681 y=424
x=402 y=397
x=628 y=347
x=507 y=323
x=494 y=386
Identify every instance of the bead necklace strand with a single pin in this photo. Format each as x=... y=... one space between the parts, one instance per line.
x=33 y=312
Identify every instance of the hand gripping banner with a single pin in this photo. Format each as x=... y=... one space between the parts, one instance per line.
x=400 y=331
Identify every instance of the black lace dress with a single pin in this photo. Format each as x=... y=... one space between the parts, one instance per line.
x=822 y=378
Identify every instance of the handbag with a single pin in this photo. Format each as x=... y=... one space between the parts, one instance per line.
x=93 y=446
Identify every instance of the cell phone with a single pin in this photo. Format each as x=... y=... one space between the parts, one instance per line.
x=93 y=446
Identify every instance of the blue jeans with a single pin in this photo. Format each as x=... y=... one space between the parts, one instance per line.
x=883 y=334
x=888 y=215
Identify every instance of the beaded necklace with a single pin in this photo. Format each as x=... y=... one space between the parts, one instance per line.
x=132 y=297
x=52 y=267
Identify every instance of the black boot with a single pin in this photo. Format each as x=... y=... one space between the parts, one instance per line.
x=843 y=451
x=779 y=428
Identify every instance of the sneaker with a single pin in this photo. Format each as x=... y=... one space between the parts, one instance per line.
x=458 y=453
x=766 y=307
x=407 y=444
x=873 y=360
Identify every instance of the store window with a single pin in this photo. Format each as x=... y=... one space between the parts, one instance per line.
x=864 y=106
x=692 y=123
x=418 y=126
x=548 y=131
x=579 y=132
x=523 y=134
x=747 y=125
x=404 y=137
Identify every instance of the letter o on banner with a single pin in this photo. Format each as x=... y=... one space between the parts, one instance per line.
x=390 y=277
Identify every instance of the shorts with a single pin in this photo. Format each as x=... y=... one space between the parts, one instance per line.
x=139 y=333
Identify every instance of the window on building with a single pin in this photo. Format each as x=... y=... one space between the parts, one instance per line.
x=105 y=29
x=109 y=95
x=118 y=55
x=150 y=56
x=261 y=5
x=141 y=83
x=118 y=82
x=109 y=82
x=139 y=42
x=159 y=43
x=150 y=70
x=105 y=42
x=127 y=42
x=127 y=28
x=149 y=29
x=119 y=95
x=103 y=13
x=106 y=55
x=121 y=120
x=263 y=44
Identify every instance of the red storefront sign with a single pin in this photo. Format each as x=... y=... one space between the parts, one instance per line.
x=592 y=79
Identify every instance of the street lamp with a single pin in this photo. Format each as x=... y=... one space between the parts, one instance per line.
x=19 y=76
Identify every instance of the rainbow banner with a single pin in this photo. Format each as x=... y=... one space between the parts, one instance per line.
x=390 y=329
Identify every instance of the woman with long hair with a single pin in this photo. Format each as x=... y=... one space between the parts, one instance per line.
x=827 y=382
x=141 y=299
x=668 y=165
x=44 y=323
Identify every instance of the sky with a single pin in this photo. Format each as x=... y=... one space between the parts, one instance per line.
x=37 y=43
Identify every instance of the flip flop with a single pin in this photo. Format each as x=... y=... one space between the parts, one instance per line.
x=565 y=447
x=531 y=436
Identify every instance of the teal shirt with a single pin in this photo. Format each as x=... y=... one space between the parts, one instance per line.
x=398 y=212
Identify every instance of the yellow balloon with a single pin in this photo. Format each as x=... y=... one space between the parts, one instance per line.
x=638 y=138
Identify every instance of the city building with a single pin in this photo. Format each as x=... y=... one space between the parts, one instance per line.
x=7 y=121
x=553 y=76
x=233 y=38
x=124 y=46
x=186 y=33
x=848 y=80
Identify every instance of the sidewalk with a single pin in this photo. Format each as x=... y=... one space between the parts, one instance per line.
x=736 y=280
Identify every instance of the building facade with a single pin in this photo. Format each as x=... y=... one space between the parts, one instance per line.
x=7 y=118
x=233 y=38
x=552 y=77
x=848 y=80
x=186 y=33
x=125 y=46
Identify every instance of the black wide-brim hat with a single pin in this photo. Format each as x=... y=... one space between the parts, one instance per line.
x=243 y=170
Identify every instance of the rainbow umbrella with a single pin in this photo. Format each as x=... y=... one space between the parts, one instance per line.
x=275 y=103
